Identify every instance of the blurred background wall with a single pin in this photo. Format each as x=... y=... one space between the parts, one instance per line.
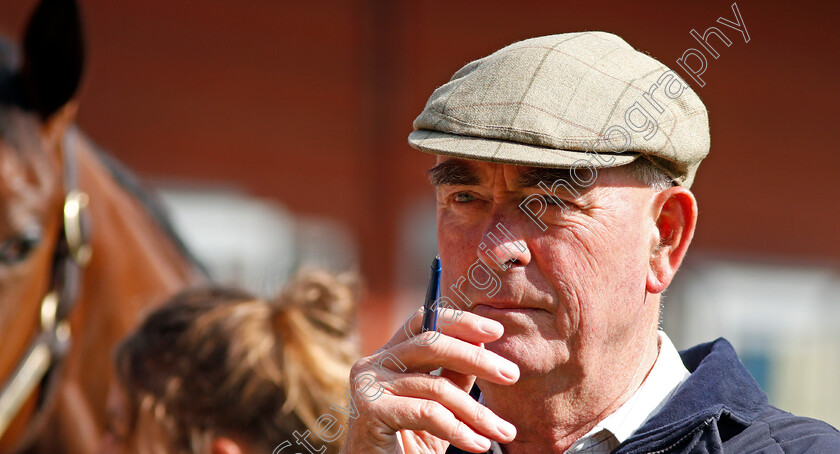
x=292 y=117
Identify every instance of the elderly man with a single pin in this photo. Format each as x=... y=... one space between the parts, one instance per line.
x=562 y=179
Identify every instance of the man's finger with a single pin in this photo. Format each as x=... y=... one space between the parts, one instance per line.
x=460 y=380
x=463 y=325
x=457 y=355
x=480 y=418
x=434 y=418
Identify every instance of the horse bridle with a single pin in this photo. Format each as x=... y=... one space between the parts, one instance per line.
x=39 y=366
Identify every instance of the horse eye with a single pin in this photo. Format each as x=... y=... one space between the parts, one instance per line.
x=18 y=248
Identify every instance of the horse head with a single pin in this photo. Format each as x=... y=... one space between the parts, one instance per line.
x=57 y=323
x=36 y=109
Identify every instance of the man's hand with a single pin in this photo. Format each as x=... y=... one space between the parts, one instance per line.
x=395 y=396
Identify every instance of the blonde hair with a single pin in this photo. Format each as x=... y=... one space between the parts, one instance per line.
x=217 y=361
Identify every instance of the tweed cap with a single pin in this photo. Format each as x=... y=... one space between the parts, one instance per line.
x=567 y=100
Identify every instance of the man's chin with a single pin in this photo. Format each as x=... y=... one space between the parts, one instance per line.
x=526 y=352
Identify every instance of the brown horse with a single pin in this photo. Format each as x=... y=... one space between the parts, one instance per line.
x=81 y=256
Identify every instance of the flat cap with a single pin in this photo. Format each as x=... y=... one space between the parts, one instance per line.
x=568 y=100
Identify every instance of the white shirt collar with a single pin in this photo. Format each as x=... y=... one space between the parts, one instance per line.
x=667 y=375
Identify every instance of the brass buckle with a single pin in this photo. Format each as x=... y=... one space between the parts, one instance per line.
x=74 y=205
x=50 y=343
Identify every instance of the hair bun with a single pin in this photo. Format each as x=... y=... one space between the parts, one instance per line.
x=313 y=320
x=326 y=301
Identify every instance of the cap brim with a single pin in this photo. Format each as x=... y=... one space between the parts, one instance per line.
x=508 y=152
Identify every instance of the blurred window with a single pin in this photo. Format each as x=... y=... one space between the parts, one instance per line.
x=254 y=243
x=781 y=318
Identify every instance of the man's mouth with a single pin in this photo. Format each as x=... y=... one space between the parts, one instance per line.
x=500 y=308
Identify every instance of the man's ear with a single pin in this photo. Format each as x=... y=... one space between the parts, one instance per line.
x=224 y=445
x=675 y=212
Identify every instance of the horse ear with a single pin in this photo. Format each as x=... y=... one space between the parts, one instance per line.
x=53 y=56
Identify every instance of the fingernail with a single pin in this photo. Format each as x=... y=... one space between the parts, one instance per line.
x=490 y=327
x=507 y=429
x=482 y=443
x=508 y=370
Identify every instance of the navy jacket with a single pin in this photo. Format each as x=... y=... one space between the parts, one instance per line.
x=721 y=409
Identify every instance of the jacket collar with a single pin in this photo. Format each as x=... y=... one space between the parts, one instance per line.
x=719 y=387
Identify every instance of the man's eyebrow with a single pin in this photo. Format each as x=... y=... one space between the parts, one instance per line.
x=452 y=172
x=549 y=176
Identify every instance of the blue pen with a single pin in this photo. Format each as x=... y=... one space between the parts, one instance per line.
x=432 y=295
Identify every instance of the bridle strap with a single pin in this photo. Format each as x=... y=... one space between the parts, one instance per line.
x=40 y=364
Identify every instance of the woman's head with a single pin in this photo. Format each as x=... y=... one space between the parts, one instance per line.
x=219 y=364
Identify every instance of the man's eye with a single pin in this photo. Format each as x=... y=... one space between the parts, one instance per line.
x=463 y=197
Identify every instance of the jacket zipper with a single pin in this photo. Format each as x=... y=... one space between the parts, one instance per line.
x=705 y=424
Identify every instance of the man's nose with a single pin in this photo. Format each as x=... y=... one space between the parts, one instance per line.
x=501 y=248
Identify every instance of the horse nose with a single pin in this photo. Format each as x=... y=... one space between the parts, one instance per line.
x=501 y=249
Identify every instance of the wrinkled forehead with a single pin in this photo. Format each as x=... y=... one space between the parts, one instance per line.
x=579 y=180
x=467 y=172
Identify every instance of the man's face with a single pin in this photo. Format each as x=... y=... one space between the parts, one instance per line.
x=574 y=301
